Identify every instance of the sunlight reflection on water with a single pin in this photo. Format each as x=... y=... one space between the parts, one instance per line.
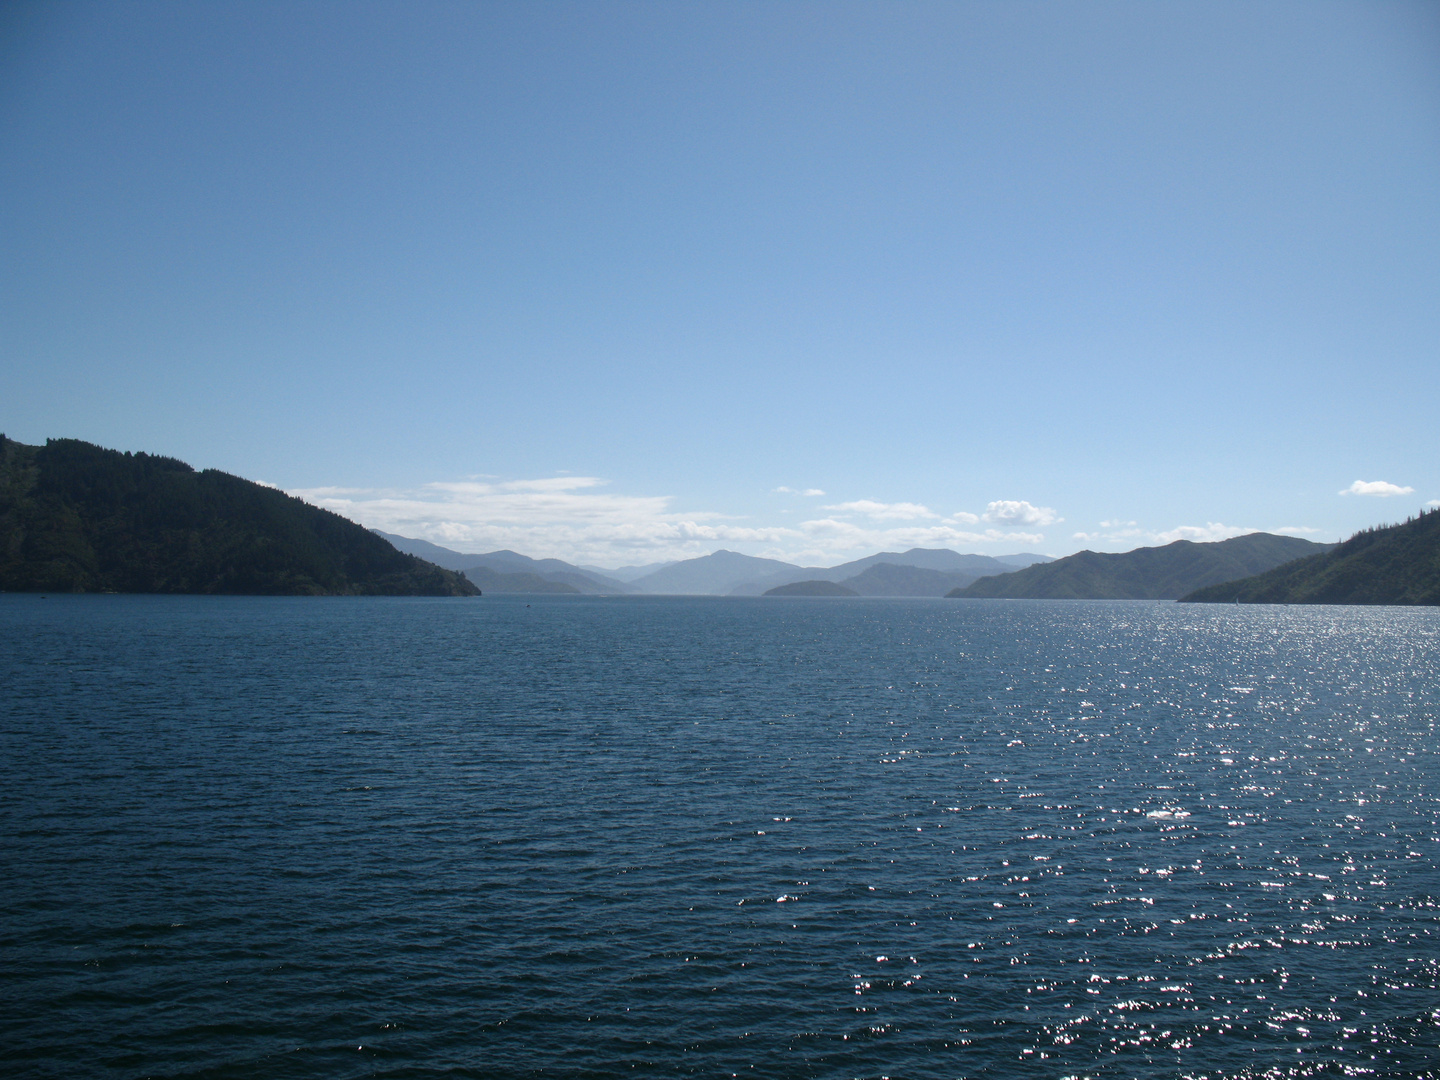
x=658 y=835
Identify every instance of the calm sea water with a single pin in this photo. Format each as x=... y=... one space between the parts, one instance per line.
x=246 y=837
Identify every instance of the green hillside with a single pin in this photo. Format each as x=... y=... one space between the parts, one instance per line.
x=1398 y=564
x=78 y=518
x=1155 y=573
x=811 y=588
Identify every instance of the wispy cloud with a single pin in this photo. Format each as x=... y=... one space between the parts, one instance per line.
x=1203 y=534
x=808 y=492
x=566 y=517
x=550 y=483
x=1130 y=535
x=1433 y=504
x=1112 y=536
x=1019 y=512
x=878 y=511
x=1381 y=488
x=576 y=518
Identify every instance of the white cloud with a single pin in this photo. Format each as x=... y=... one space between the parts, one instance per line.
x=574 y=518
x=557 y=516
x=1376 y=487
x=1013 y=512
x=1201 y=534
x=1433 y=504
x=1131 y=536
x=808 y=492
x=878 y=511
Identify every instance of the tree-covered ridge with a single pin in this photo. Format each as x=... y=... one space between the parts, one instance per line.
x=811 y=588
x=75 y=517
x=1394 y=564
x=1154 y=573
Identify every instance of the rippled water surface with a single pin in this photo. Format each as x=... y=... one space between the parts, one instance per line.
x=246 y=837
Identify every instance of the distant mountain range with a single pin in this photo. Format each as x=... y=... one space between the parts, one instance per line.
x=900 y=579
x=1153 y=573
x=508 y=571
x=627 y=573
x=511 y=563
x=494 y=581
x=1398 y=564
x=938 y=570
x=917 y=572
x=711 y=575
x=75 y=517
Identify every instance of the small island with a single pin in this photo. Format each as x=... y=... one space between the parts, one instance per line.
x=810 y=588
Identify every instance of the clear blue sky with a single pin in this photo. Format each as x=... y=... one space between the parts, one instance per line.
x=598 y=280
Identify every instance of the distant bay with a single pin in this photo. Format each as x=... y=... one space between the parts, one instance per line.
x=583 y=836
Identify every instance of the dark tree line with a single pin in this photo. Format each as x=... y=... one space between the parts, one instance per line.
x=75 y=517
x=1391 y=564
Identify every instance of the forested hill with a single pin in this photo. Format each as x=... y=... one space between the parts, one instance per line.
x=1155 y=573
x=78 y=518
x=1398 y=564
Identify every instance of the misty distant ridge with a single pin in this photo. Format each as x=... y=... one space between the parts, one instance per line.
x=1154 y=573
x=628 y=573
x=917 y=572
x=509 y=571
x=716 y=574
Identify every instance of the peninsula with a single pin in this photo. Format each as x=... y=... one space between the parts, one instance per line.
x=1395 y=564
x=75 y=517
x=1153 y=573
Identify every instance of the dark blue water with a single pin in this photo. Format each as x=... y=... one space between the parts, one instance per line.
x=645 y=836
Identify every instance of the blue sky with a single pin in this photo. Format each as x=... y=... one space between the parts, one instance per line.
x=619 y=282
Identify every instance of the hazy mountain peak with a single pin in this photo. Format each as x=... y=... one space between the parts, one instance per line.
x=714 y=574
